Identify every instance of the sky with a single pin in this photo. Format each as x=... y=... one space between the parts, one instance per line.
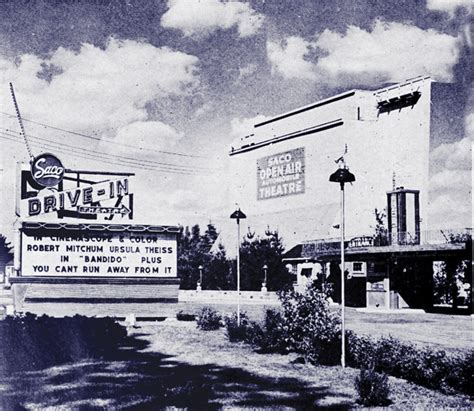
x=162 y=88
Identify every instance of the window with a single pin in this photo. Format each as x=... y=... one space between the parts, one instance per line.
x=357 y=267
x=306 y=272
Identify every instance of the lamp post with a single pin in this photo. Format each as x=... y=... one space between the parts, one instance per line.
x=238 y=215
x=342 y=176
x=264 y=284
x=200 y=268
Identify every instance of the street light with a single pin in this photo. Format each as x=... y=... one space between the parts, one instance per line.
x=238 y=215
x=264 y=285
x=200 y=268
x=342 y=176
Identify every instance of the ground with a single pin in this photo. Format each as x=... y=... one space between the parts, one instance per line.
x=449 y=332
x=172 y=363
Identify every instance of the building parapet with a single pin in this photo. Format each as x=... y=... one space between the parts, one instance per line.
x=330 y=246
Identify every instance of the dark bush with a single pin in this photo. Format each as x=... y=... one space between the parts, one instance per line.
x=423 y=366
x=268 y=336
x=182 y=316
x=271 y=336
x=243 y=332
x=372 y=388
x=465 y=375
x=310 y=327
x=29 y=342
x=208 y=319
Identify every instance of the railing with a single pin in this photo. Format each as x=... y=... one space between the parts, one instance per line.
x=446 y=236
x=429 y=237
x=322 y=247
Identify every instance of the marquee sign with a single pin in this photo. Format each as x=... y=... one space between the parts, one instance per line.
x=47 y=170
x=86 y=259
x=50 y=201
x=47 y=187
x=103 y=210
x=281 y=175
x=99 y=251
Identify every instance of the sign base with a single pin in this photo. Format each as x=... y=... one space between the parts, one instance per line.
x=99 y=297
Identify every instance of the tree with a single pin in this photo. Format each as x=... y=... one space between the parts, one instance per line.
x=209 y=238
x=258 y=251
x=381 y=232
x=194 y=250
x=6 y=251
x=454 y=275
x=218 y=273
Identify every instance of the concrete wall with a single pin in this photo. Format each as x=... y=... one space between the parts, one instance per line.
x=95 y=297
x=223 y=297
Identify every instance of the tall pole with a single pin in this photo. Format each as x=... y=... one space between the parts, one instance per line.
x=343 y=300
x=16 y=247
x=342 y=175
x=238 y=215
x=238 y=272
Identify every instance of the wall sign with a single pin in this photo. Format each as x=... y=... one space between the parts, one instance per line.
x=51 y=201
x=281 y=175
x=47 y=170
x=87 y=253
x=377 y=286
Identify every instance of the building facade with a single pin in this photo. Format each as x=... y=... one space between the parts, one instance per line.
x=280 y=173
x=280 y=170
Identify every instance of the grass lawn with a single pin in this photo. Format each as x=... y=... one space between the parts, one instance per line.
x=284 y=381
x=441 y=331
x=172 y=364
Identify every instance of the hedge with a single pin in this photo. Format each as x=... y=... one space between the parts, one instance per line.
x=30 y=342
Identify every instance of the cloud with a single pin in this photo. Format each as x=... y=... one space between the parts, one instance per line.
x=203 y=17
x=451 y=185
x=449 y=6
x=469 y=125
x=288 y=58
x=449 y=180
x=98 y=88
x=241 y=127
x=247 y=71
x=204 y=109
x=453 y=156
x=451 y=212
x=138 y=137
x=189 y=200
x=390 y=52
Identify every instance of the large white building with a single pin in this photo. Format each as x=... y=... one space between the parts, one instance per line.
x=280 y=170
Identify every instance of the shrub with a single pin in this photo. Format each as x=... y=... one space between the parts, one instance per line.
x=268 y=336
x=372 y=388
x=182 y=316
x=310 y=327
x=243 y=332
x=208 y=319
x=271 y=336
x=29 y=342
x=423 y=366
